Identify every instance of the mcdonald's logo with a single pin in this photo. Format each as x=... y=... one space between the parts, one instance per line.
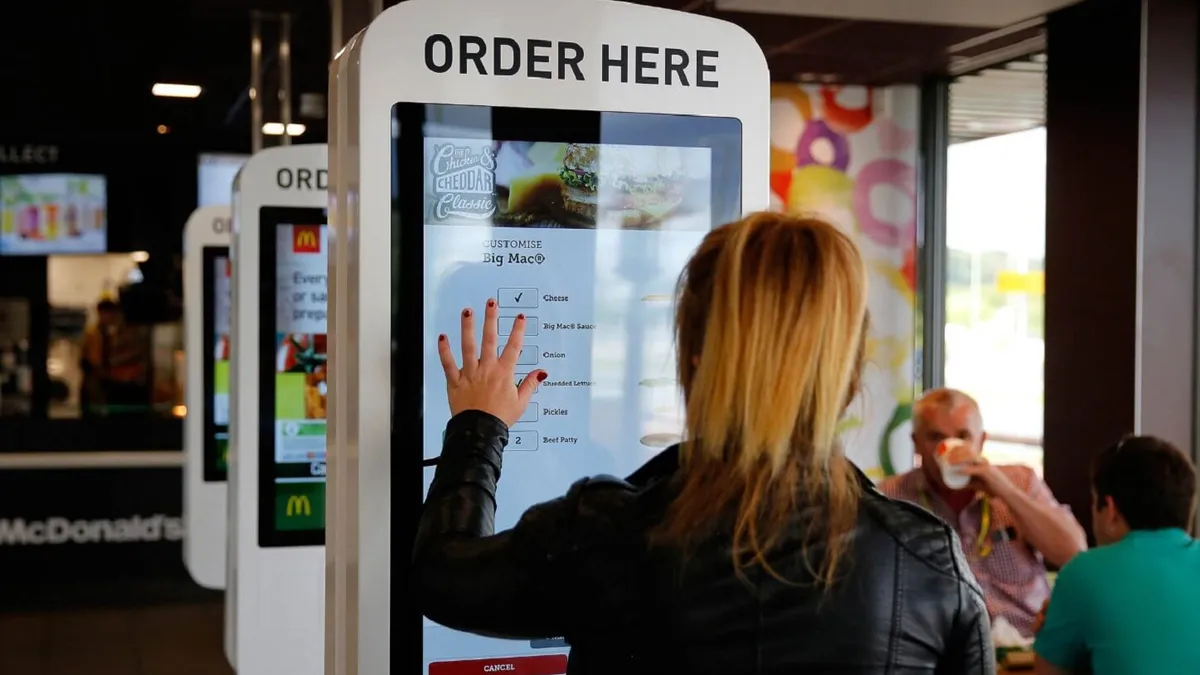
x=298 y=505
x=306 y=239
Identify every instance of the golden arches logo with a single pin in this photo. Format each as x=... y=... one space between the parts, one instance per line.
x=299 y=505
x=306 y=239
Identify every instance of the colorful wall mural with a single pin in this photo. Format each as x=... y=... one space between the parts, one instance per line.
x=849 y=155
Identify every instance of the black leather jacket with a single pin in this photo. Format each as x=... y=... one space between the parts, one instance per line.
x=579 y=567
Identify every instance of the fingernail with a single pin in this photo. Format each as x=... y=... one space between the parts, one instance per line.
x=466 y=312
x=491 y=303
x=521 y=317
x=541 y=376
x=441 y=338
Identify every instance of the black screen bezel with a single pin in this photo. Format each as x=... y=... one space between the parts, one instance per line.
x=269 y=220
x=210 y=255
x=722 y=135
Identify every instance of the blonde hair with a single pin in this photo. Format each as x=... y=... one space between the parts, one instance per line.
x=770 y=324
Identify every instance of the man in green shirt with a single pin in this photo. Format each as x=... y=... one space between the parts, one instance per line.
x=1131 y=606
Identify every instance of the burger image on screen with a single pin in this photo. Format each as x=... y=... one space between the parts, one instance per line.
x=632 y=185
x=579 y=180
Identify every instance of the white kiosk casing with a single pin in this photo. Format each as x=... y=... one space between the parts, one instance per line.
x=208 y=231
x=275 y=601
x=387 y=64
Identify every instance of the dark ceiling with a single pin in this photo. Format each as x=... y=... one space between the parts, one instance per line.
x=85 y=67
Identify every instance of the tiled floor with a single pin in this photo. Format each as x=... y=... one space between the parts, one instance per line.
x=171 y=634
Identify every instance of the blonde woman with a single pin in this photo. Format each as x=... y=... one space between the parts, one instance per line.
x=754 y=546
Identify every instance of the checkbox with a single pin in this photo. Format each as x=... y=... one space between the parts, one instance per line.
x=519 y=377
x=528 y=355
x=517 y=298
x=531 y=325
x=530 y=414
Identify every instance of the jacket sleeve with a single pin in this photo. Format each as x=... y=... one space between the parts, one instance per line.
x=969 y=649
x=521 y=583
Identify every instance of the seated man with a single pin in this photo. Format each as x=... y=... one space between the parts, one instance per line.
x=1131 y=605
x=1009 y=523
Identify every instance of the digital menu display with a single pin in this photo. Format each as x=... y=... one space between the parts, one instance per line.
x=217 y=304
x=293 y=376
x=582 y=221
x=52 y=213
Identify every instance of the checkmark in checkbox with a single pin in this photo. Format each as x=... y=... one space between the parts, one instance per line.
x=516 y=297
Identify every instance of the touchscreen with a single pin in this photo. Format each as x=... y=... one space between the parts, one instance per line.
x=217 y=297
x=293 y=369
x=582 y=221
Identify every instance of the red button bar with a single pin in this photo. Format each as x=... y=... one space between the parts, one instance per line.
x=546 y=664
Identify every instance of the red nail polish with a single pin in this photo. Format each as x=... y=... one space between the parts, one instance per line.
x=466 y=312
x=441 y=338
x=521 y=317
x=541 y=377
x=491 y=303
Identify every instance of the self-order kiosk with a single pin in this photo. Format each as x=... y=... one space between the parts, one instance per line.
x=206 y=289
x=276 y=597
x=566 y=166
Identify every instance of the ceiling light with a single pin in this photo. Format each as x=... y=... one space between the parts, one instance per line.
x=175 y=90
x=276 y=129
x=163 y=129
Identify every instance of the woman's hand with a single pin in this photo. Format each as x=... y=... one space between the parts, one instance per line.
x=487 y=379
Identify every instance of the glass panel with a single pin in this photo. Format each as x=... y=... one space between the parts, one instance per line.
x=995 y=231
x=114 y=346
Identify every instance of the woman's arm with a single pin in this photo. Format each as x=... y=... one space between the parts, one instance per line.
x=522 y=583
x=969 y=649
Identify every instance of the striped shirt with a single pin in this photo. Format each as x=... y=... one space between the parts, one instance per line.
x=1012 y=574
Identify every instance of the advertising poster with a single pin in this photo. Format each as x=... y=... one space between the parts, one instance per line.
x=300 y=376
x=849 y=155
x=44 y=214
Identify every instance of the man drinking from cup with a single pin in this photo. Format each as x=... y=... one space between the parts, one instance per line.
x=1009 y=523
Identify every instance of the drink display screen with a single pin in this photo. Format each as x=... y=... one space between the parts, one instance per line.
x=217 y=303
x=583 y=222
x=292 y=376
x=51 y=213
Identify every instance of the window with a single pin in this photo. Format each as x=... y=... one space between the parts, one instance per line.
x=995 y=232
x=110 y=343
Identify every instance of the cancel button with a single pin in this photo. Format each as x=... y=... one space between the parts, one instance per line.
x=548 y=664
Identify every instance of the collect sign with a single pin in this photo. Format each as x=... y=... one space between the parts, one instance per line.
x=28 y=154
x=564 y=60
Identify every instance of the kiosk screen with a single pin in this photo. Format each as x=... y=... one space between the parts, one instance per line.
x=582 y=221
x=216 y=362
x=293 y=284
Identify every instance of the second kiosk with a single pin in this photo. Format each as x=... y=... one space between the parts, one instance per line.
x=566 y=166
x=207 y=300
x=276 y=598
